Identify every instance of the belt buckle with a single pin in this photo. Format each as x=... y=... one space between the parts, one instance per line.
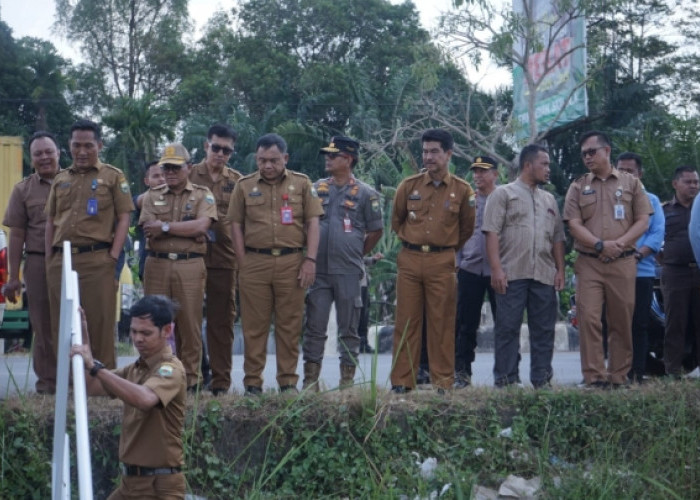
x=276 y=252
x=425 y=248
x=172 y=256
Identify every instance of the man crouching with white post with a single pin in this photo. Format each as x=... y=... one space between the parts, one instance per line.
x=153 y=390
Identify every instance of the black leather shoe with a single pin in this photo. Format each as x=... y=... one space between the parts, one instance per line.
x=423 y=377
x=400 y=389
x=462 y=380
x=252 y=390
x=194 y=388
x=217 y=391
x=289 y=388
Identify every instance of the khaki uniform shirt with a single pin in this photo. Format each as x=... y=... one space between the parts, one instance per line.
x=68 y=204
x=257 y=205
x=528 y=225
x=220 y=254
x=340 y=249
x=593 y=201
x=425 y=214
x=26 y=211
x=160 y=203
x=154 y=438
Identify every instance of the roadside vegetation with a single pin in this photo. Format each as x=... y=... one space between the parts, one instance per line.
x=636 y=443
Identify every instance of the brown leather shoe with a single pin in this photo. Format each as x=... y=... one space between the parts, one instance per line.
x=347 y=376
x=311 y=374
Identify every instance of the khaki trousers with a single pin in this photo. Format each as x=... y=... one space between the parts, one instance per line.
x=614 y=285
x=43 y=348
x=267 y=285
x=157 y=487
x=425 y=281
x=221 y=313
x=183 y=281
x=98 y=297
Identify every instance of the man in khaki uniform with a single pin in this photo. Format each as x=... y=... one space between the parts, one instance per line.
x=175 y=219
x=433 y=216
x=153 y=392
x=275 y=215
x=607 y=211
x=89 y=205
x=219 y=259
x=27 y=222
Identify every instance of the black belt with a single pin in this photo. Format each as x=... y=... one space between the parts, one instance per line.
x=424 y=248
x=175 y=256
x=692 y=265
x=626 y=253
x=135 y=470
x=34 y=253
x=86 y=248
x=277 y=252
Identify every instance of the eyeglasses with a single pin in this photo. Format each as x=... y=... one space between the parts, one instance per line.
x=590 y=152
x=216 y=149
x=169 y=167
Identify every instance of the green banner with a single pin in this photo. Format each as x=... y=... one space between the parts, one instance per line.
x=556 y=62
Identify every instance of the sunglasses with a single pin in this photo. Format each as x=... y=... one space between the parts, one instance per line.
x=590 y=152
x=333 y=156
x=216 y=149
x=169 y=167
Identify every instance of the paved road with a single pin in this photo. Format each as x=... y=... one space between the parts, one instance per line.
x=16 y=374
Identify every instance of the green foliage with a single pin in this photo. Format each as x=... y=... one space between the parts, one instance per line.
x=25 y=462
x=33 y=86
x=627 y=444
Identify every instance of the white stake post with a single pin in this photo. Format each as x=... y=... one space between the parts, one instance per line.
x=70 y=331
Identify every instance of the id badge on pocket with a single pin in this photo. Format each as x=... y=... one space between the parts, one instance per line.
x=286 y=216
x=92 y=206
x=619 y=212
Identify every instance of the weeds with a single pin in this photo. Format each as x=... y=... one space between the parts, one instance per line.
x=351 y=444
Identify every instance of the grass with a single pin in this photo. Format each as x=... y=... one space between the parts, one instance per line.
x=366 y=443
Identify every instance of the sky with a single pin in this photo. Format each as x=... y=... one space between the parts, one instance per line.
x=38 y=20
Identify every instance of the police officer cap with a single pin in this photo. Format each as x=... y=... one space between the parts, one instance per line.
x=174 y=154
x=484 y=162
x=342 y=144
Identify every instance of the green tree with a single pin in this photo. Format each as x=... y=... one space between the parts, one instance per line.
x=136 y=44
x=33 y=87
x=139 y=125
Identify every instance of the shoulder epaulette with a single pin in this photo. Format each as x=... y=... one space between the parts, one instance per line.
x=459 y=179
x=298 y=174
x=248 y=176
x=112 y=167
x=414 y=176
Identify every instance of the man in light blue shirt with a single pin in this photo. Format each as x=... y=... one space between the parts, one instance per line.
x=648 y=246
x=694 y=230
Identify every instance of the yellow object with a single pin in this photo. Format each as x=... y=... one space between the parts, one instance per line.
x=10 y=169
x=126 y=288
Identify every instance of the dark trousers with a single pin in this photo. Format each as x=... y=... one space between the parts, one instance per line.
x=471 y=289
x=363 y=325
x=681 y=287
x=541 y=303
x=644 y=288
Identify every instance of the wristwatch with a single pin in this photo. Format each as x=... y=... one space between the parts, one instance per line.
x=599 y=246
x=165 y=227
x=96 y=367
